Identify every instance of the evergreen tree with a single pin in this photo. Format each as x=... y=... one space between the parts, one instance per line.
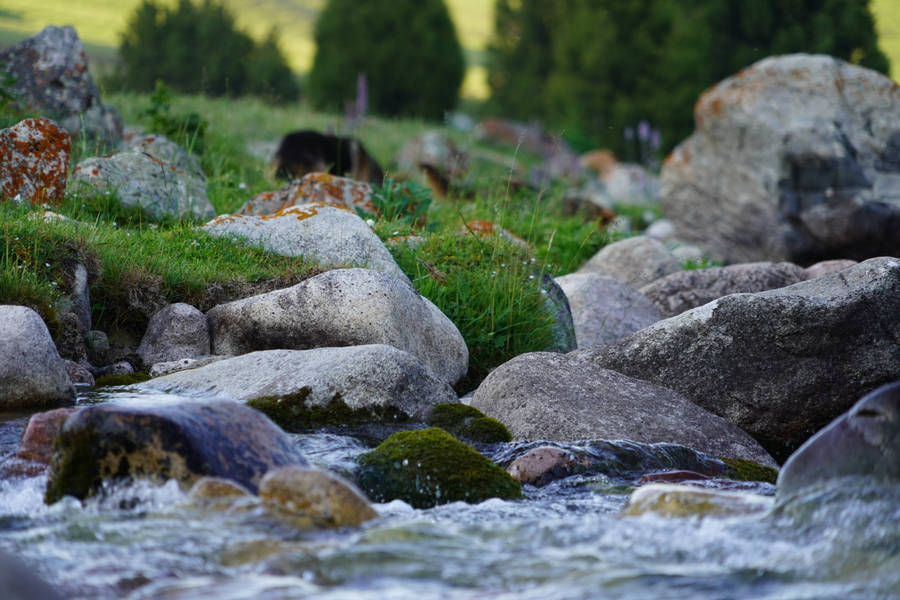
x=407 y=50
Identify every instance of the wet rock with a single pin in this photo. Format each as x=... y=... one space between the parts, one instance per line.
x=51 y=77
x=681 y=291
x=634 y=261
x=34 y=162
x=779 y=364
x=140 y=180
x=20 y=582
x=672 y=500
x=672 y=477
x=430 y=467
x=342 y=307
x=314 y=187
x=827 y=267
x=32 y=374
x=315 y=496
x=468 y=423
x=184 y=441
x=164 y=149
x=164 y=368
x=864 y=441
x=604 y=309
x=177 y=331
x=320 y=232
x=544 y=396
x=79 y=373
x=542 y=465
x=790 y=160
x=37 y=437
x=302 y=390
x=217 y=488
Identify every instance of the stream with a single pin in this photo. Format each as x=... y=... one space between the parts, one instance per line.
x=566 y=540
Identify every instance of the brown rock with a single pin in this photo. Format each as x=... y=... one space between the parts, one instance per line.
x=37 y=438
x=34 y=161
x=217 y=488
x=317 y=497
x=542 y=465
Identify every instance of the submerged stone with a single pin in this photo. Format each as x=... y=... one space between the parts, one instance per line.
x=672 y=500
x=315 y=497
x=430 y=467
x=184 y=441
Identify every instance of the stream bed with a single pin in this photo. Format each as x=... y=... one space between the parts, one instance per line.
x=565 y=540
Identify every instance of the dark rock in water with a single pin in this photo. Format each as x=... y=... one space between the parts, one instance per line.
x=52 y=77
x=468 y=422
x=430 y=467
x=184 y=441
x=779 y=364
x=864 y=441
x=18 y=582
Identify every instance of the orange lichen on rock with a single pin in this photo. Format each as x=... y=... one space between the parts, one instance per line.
x=34 y=159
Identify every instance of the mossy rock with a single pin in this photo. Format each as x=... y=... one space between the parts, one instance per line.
x=747 y=470
x=293 y=413
x=121 y=379
x=469 y=422
x=429 y=467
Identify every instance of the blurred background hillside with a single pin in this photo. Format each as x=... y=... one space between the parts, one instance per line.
x=523 y=59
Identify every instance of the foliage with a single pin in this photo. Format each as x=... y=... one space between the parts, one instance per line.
x=197 y=48
x=430 y=467
x=406 y=202
x=596 y=68
x=186 y=130
x=407 y=50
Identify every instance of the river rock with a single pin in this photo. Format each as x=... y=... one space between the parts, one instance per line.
x=864 y=441
x=319 y=497
x=674 y=500
x=342 y=307
x=634 y=261
x=793 y=158
x=164 y=149
x=177 y=331
x=51 y=77
x=139 y=179
x=320 y=232
x=304 y=389
x=34 y=162
x=780 y=364
x=827 y=267
x=429 y=467
x=313 y=187
x=37 y=437
x=32 y=374
x=678 y=292
x=217 y=488
x=182 y=441
x=545 y=396
x=604 y=309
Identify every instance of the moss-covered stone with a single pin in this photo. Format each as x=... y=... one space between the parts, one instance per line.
x=469 y=422
x=292 y=412
x=430 y=467
x=121 y=379
x=747 y=470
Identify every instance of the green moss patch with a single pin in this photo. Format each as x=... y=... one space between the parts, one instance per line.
x=76 y=466
x=430 y=467
x=292 y=413
x=747 y=470
x=468 y=422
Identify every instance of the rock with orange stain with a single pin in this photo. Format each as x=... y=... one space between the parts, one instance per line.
x=140 y=179
x=34 y=160
x=795 y=158
x=37 y=438
x=321 y=232
x=487 y=228
x=161 y=147
x=52 y=78
x=313 y=187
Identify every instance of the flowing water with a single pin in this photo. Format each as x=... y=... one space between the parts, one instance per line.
x=566 y=540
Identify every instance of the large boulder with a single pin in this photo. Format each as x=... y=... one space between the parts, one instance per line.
x=545 y=396
x=161 y=147
x=32 y=374
x=34 y=162
x=678 y=292
x=305 y=389
x=779 y=364
x=141 y=180
x=634 y=261
x=182 y=441
x=794 y=158
x=604 y=309
x=321 y=232
x=51 y=77
x=342 y=307
x=864 y=441
x=175 y=332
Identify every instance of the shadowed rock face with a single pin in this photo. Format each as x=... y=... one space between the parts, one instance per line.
x=863 y=441
x=183 y=441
